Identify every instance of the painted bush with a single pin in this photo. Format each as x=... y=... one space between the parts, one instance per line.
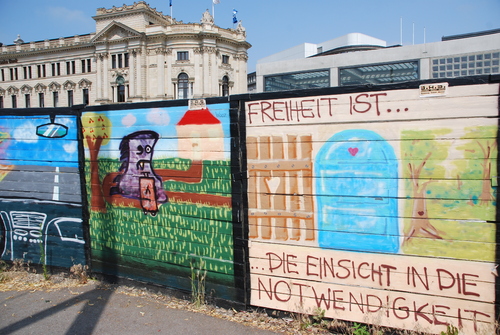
x=160 y=194
x=40 y=190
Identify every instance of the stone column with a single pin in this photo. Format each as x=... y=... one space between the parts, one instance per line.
x=160 y=60
x=199 y=71
x=168 y=74
x=105 y=78
x=132 y=73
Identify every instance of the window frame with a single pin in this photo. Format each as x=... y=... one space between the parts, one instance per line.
x=182 y=56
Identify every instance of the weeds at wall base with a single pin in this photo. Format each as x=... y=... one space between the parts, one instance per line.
x=198 y=277
x=46 y=274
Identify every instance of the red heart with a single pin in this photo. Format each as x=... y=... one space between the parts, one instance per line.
x=421 y=213
x=353 y=151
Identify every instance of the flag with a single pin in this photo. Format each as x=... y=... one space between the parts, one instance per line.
x=235 y=20
x=216 y=2
x=170 y=3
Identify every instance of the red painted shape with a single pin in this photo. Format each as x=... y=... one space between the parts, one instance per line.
x=353 y=151
x=421 y=213
x=198 y=116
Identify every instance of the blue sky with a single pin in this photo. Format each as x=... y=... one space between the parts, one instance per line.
x=161 y=120
x=271 y=25
x=25 y=147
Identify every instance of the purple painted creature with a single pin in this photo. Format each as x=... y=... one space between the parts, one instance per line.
x=138 y=179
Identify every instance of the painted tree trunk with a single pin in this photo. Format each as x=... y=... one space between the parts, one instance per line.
x=96 y=199
x=486 y=195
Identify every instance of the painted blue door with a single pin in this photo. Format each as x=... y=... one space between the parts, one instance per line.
x=357 y=186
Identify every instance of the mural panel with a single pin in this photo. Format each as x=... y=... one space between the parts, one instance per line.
x=376 y=207
x=40 y=190
x=160 y=194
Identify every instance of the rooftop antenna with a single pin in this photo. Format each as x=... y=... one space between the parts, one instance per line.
x=413 y=34
x=424 y=41
x=401 y=30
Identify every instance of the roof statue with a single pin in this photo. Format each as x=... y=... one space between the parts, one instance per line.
x=207 y=18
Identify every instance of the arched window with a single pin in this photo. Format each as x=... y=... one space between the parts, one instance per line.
x=120 y=89
x=225 y=86
x=183 y=86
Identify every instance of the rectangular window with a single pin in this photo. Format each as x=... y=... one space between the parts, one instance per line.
x=113 y=61
x=29 y=72
x=225 y=59
x=83 y=66
x=55 y=99
x=89 y=65
x=295 y=81
x=14 y=101
x=38 y=71
x=53 y=66
x=13 y=73
x=27 y=100
x=70 y=98
x=25 y=72
x=44 y=72
x=41 y=100
x=3 y=75
x=382 y=73
x=73 y=67
x=68 y=68
x=1 y=101
x=85 y=96
x=125 y=59
x=182 y=55
x=58 y=68
x=120 y=64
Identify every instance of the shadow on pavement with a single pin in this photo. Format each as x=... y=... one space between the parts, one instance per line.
x=86 y=319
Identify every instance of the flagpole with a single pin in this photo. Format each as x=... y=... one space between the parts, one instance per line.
x=171 y=14
x=213 y=10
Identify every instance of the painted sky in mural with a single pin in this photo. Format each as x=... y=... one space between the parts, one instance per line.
x=26 y=148
x=162 y=121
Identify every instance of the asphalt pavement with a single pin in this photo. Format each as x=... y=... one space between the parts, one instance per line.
x=92 y=309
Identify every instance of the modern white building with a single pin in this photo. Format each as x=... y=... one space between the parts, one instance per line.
x=358 y=59
x=135 y=54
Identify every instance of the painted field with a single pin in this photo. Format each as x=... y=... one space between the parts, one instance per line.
x=159 y=186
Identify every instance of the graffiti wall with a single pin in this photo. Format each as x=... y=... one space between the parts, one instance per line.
x=40 y=190
x=376 y=206
x=159 y=186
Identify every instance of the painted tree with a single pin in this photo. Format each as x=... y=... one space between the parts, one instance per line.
x=480 y=150
x=96 y=130
x=4 y=143
x=423 y=153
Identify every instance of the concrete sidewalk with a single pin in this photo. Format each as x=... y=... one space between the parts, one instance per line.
x=92 y=309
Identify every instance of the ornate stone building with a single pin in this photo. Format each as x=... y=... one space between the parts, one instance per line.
x=136 y=54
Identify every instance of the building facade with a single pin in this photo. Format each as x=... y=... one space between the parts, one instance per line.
x=136 y=54
x=358 y=59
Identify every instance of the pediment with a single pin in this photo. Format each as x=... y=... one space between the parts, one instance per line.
x=11 y=90
x=53 y=86
x=26 y=89
x=40 y=88
x=84 y=83
x=69 y=85
x=116 y=31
